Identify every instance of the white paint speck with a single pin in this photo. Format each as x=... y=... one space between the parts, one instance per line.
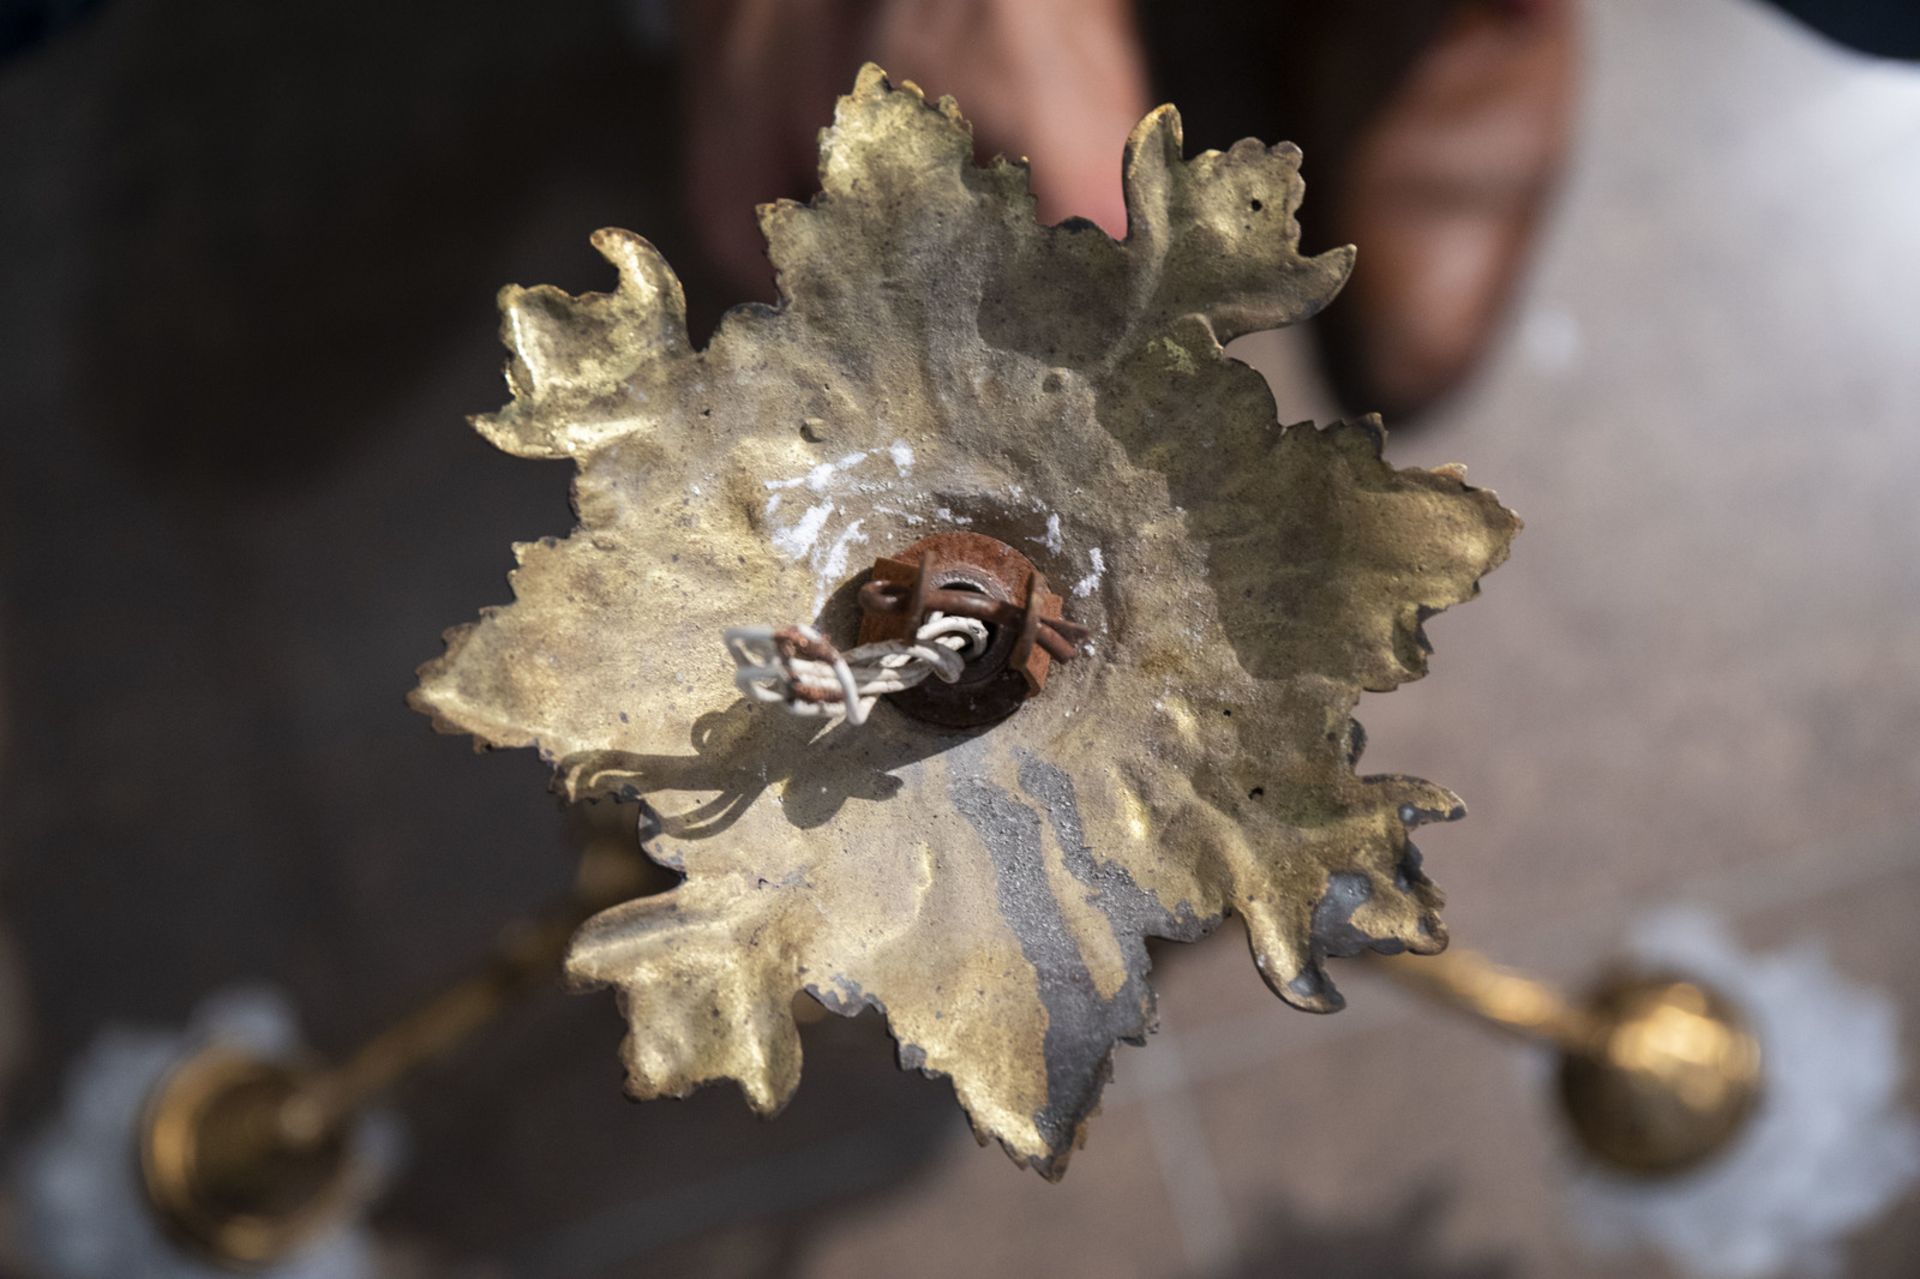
x=821 y=477
x=831 y=568
x=902 y=454
x=1052 y=541
x=1091 y=582
x=797 y=539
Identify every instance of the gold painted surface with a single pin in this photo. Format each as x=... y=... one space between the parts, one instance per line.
x=939 y=360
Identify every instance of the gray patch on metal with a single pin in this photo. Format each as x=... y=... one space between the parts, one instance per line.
x=1082 y=1028
x=1334 y=934
x=1333 y=930
x=845 y=997
x=1134 y=912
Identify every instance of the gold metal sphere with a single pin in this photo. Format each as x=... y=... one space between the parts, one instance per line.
x=234 y=1163
x=1669 y=1076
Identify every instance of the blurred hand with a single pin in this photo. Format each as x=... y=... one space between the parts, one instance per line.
x=1060 y=81
x=1444 y=191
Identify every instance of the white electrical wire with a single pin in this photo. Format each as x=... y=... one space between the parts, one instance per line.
x=798 y=670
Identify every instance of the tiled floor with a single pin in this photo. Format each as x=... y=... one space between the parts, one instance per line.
x=1698 y=679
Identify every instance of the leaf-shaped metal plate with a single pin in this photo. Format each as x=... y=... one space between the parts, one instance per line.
x=939 y=360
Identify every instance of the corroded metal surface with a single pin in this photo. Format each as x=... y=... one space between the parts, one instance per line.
x=941 y=361
x=971 y=575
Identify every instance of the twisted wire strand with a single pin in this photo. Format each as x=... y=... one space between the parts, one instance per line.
x=799 y=670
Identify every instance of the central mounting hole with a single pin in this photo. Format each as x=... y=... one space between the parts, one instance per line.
x=993 y=631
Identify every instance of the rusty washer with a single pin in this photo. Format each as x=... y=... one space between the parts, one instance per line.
x=971 y=575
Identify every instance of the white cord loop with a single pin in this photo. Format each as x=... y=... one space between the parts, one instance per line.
x=797 y=669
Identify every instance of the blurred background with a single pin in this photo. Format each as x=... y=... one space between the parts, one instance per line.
x=1652 y=267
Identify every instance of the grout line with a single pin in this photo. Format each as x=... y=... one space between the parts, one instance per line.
x=1187 y=1167
x=1847 y=862
x=804 y=1177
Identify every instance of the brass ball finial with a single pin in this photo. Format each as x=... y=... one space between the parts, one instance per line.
x=1670 y=1075
x=1657 y=1073
x=235 y=1163
x=248 y=1158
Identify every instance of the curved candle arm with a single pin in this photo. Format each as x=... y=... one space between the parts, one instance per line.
x=1657 y=1073
x=246 y=1158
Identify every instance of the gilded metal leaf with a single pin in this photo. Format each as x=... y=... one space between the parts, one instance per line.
x=941 y=361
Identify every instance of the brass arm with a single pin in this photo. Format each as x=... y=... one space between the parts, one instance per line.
x=1657 y=1074
x=244 y=1158
x=1475 y=985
